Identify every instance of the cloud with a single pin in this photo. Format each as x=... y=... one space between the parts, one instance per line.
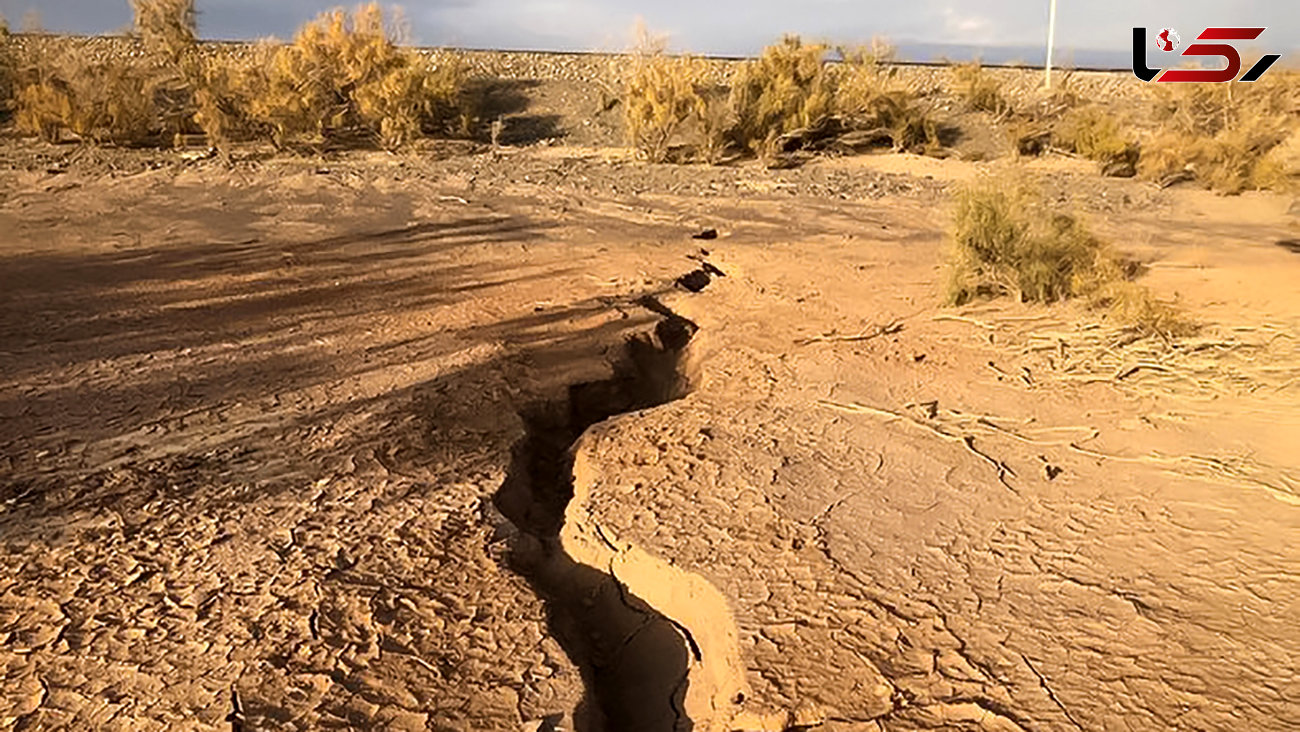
x=961 y=28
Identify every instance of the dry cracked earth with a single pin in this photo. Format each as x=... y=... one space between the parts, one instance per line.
x=492 y=443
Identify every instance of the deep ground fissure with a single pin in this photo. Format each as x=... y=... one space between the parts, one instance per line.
x=634 y=659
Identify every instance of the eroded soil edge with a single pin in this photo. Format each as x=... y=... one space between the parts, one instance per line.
x=657 y=645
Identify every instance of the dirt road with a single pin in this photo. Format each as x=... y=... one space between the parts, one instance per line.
x=406 y=443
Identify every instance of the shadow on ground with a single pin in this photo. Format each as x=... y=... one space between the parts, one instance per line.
x=222 y=375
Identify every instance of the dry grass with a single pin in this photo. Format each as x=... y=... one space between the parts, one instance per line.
x=787 y=88
x=1223 y=134
x=1007 y=240
x=978 y=90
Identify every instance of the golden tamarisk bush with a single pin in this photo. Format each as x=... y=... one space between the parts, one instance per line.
x=1228 y=137
x=8 y=68
x=786 y=88
x=980 y=90
x=344 y=75
x=663 y=96
x=342 y=79
x=787 y=100
x=868 y=95
x=67 y=90
x=1097 y=135
x=63 y=88
x=1006 y=243
x=1007 y=240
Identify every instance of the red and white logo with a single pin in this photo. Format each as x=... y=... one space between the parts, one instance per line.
x=1167 y=39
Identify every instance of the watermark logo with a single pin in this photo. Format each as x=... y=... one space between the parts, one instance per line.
x=1167 y=40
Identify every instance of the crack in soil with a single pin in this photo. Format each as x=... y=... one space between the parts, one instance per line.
x=635 y=660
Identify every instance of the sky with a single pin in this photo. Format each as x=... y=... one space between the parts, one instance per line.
x=734 y=27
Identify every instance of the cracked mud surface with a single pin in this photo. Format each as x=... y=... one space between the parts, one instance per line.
x=257 y=430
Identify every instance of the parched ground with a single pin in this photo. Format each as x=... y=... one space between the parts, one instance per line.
x=289 y=445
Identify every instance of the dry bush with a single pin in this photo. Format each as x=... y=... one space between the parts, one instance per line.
x=782 y=105
x=867 y=92
x=715 y=126
x=1035 y=125
x=1223 y=134
x=787 y=88
x=662 y=95
x=978 y=90
x=168 y=29
x=1133 y=308
x=1095 y=134
x=344 y=77
x=1008 y=241
x=64 y=88
x=104 y=101
x=8 y=69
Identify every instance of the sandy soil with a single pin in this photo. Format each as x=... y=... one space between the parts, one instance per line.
x=448 y=443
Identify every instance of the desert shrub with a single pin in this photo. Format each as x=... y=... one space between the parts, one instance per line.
x=8 y=68
x=167 y=28
x=788 y=87
x=226 y=97
x=1223 y=134
x=1029 y=135
x=715 y=125
x=343 y=75
x=64 y=88
x=867 y=93
x=979 y=90
x=1007 y=240
x=662 y=95
x=1093 y=133
x=1133 y=308
x=106 y=101
x=785 y=101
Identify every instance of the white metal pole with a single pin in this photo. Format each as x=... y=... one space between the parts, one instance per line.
x=1051 y=41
